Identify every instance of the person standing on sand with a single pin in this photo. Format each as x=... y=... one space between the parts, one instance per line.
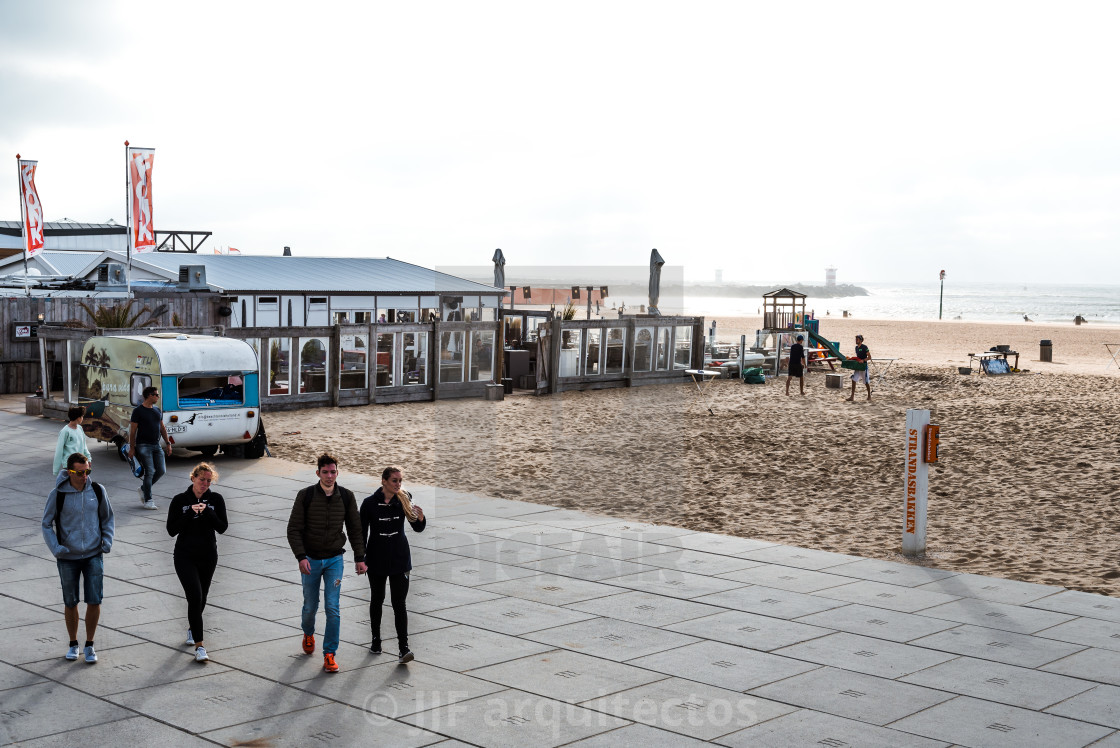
x=195 y=516
x=72 y=439
x=797 y=364
x=387 y=555
x=864 y=355
x=315 y=534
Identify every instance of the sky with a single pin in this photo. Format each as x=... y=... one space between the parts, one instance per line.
x=767 y=140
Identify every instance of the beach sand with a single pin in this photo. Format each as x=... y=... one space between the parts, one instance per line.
x=1027 y=486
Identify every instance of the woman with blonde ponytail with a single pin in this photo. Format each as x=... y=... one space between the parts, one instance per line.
x=387 y=554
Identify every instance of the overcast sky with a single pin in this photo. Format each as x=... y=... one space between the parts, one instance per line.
x=766 y=139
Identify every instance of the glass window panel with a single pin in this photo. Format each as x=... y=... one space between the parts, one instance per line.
x=643 y=350
x=482 y=356
x=616 y=350
x=451 y=356
x=415 y=358
x=663 y=348
x=571 y=343
x=352 y=367
x=386 y=372
x=312 y=365
x=216 y=389
x=279 y=379
x=682 y=355
x=591 y=360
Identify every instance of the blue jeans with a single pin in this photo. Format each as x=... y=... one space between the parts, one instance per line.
x=90 y=570
x=151 y=457
x=330 y=570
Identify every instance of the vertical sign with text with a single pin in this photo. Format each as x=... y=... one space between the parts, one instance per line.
x=917 y=484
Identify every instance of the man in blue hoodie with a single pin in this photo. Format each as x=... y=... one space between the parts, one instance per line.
x=78 y=528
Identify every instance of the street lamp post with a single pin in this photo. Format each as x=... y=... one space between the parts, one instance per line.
x=941 y=300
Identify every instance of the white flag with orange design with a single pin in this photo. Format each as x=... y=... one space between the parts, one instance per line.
x=32 y=208
x=142 y=228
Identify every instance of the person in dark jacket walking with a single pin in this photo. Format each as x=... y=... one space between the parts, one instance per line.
x=387 y=555
x=195 y=516
x=315 y=534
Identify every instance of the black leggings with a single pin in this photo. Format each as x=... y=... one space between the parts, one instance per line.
x=195 y=573
x=398 y=589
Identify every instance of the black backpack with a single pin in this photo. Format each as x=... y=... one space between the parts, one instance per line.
x=60 y=499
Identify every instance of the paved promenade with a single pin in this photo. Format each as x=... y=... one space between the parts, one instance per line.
x=535 y=627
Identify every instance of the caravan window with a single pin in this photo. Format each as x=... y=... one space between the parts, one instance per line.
x=136 y=387
x=211 y=390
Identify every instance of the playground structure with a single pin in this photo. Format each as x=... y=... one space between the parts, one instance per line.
x=783 y=316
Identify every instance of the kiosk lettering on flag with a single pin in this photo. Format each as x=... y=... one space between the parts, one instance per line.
x=141 y=229
x=30 y=207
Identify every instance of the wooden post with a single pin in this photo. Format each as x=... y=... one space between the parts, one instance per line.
x=916 y=485
x=44 y=376
x=436 y=357
x=371 y=361
x=68 y=371
x=334 y=383
x=557 y=326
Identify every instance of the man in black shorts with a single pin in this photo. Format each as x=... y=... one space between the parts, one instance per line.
x=797 y=363
x=145 y=429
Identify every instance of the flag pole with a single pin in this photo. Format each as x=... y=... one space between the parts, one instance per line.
x=23 y=225
x=128 y=222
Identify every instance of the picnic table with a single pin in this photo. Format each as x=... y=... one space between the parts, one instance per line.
x=980 y=358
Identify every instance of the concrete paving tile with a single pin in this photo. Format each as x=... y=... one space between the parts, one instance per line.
x=723 y=665
x=889 y=596
x=461 y=648
x=47 y=708
x=1079 y=603
x=540 y=535
x=471 y=572
x=323 y=725
x=440 y=538
x=426 y=595
x=1100 y=705
x=641 y=531
x=259 y=529
x=997 y=615
x=568 y=519
x=283 y=660
x=770 y=602
x=801 y=558
x=710 y=542
x=689 y=708
x=1112 y=741
x=514 y=719
x=512 y=615
x=143 y=607
x=996 y=681
x=14 y=677
x=609 y=546
x=226 y=581
x=47 y=591
x=507 y=552
x=144 y=565
x=134 y=731
x=1008 y=591
x=808 y=728
x=224 y=628
x=698 y=562
x=269 y=603
x=216 y=701
x=265 y=561
x=853 y=695
x=46 y=641
x=646 y=608
x=591 y=568
x=637 y=736
x=360 y=632
x=424 y=556
x=999 y=646
x=749 y=630
x=786 y=578
x=878 y=622
x=26 y=567
x=616 y=640
x=478 y=523
x=865 y=655
x=973 y=722
x=551 y=589
x=1091 y=632
x=674 y=583
x=136 y=666
x=566 y=676
x=491 y=507
x=892 y=572
x=1102 y=665
x=20 y=613
x=17 y=532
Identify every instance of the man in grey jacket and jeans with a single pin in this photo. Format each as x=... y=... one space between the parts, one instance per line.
x=78 y=528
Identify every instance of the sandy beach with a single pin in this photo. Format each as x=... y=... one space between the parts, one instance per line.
x=1027 y=486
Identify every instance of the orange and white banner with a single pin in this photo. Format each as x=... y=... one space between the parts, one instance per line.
x=32 y=209
x=141 y=228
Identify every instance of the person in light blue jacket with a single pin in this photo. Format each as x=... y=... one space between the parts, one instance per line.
x=78 y=529
x=70 y=440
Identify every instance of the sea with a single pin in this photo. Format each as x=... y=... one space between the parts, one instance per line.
x=970 y=302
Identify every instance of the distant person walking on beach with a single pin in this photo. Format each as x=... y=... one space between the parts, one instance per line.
x=145 y=429
x=315 y=534
x=195 y=516
x=71 y=440
x=78 y=528
x=797 y=364
x=387 y=554
x=864 y=355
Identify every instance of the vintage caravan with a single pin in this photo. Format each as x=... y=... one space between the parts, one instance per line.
x=208 y=390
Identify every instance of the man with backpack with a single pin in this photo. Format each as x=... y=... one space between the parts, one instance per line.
x=78 y=528
x=315 y=534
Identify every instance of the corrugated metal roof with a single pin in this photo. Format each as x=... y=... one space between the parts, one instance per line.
x=69 y=263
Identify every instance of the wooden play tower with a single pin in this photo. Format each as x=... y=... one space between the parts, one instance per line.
x=783 y=310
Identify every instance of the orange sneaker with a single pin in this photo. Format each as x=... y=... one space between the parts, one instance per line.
x=329 y=664
x=308 y=643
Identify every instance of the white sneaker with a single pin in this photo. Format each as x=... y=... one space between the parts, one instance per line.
x=73 y=653
x=149 y=505
x=190 y=638
x=200 y=655
x=91 y=655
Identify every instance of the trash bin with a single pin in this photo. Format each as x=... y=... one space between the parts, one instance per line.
x=507 y=382
x=1045 y=350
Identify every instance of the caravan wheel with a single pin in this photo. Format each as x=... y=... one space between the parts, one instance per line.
x=255 y=449
x=209 y=450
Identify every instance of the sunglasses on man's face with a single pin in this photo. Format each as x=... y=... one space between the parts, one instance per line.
x=87 y=471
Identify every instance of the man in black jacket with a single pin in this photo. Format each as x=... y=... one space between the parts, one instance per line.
x=315 y=533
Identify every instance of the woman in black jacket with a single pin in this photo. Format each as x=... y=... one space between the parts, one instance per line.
x=194 y=516
x=387 y=556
